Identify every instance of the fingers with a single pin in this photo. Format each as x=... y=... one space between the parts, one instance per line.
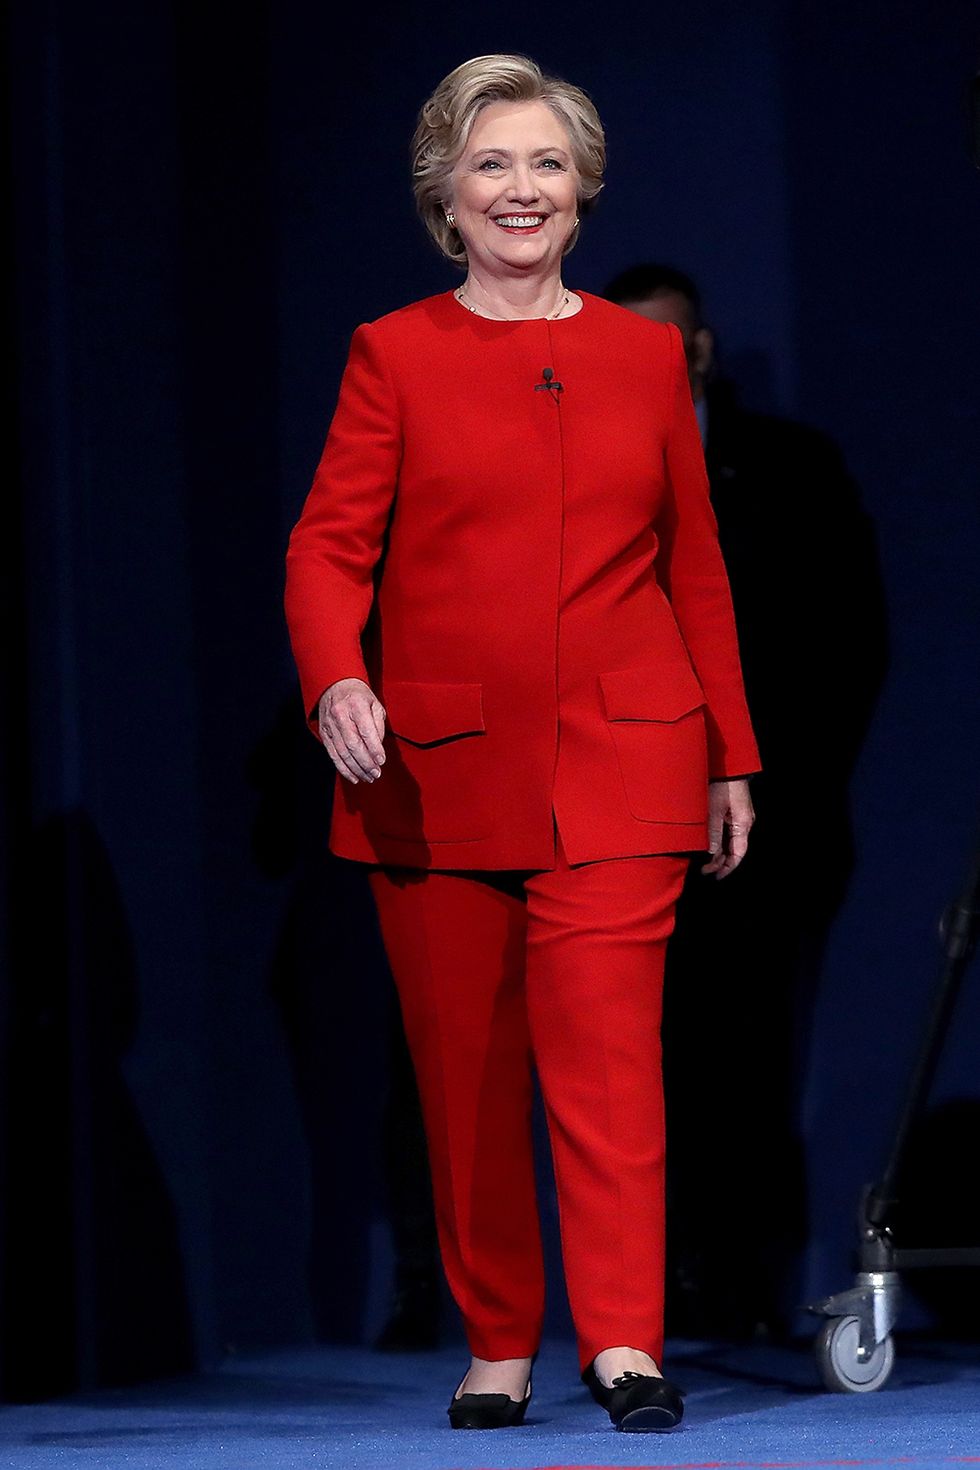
x=350 y=724
x=339 y=758
x=716 y=832
x=379 y=717
x=740 y=819
x=352 y=731
x=728 y=852
x=736 y=846
x=369 y=720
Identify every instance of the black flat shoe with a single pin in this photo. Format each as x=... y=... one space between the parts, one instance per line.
x=488 y=1410
x=639 y=1403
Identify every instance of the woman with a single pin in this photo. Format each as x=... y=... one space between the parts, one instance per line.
x=515 y=639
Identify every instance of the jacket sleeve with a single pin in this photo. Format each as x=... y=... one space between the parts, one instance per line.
x=337 y=540
x=692 y=573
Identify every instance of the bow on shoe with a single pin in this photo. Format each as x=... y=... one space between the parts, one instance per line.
x=638 y=1403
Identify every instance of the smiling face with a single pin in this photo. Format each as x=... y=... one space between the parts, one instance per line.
x=515 y=190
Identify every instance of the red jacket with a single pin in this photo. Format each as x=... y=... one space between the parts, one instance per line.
x=529 y=579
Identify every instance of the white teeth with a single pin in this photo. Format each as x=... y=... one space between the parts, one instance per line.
x=520 y=221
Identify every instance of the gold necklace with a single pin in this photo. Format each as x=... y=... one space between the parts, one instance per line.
x=463 y=300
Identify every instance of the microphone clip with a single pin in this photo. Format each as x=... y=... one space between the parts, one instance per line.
x=550 y=384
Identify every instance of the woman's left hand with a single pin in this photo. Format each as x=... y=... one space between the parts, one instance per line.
x=730 y=817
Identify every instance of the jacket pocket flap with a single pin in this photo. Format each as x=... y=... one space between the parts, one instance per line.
x=651 y=693
x=426 y=713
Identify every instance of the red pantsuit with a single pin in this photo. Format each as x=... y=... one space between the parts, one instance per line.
x=528 y=577
x=565 y=966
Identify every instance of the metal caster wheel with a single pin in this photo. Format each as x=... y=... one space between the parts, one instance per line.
x=840 y=1367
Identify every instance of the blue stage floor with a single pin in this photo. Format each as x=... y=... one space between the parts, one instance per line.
x=745 y=1408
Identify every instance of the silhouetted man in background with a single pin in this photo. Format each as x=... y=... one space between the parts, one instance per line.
x=745 y=957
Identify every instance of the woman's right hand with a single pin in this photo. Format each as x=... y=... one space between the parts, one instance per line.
x=351 y=724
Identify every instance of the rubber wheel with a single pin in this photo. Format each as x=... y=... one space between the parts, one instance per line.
x=842 y=1371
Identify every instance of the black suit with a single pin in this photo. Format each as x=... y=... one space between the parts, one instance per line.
x=801 y=558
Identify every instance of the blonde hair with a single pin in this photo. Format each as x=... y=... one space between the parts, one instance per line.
x=447 y=119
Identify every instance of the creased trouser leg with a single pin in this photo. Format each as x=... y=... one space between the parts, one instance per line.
x=456 y=949
x=597 y=937
x=571 y=960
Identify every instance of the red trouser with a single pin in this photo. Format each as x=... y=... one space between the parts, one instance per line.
x=565 y=967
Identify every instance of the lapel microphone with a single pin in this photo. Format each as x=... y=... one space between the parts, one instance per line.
x=550 y=384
